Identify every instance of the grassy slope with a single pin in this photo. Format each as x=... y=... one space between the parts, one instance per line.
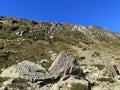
x=23 y=39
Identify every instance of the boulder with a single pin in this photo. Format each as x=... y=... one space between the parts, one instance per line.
x=71 y=84
x=65 y=65
x=111 y=71
x=26 y=70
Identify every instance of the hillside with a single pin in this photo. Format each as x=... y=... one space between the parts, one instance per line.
x=41 y=42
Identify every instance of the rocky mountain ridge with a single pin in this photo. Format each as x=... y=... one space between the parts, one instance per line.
x=15 y=25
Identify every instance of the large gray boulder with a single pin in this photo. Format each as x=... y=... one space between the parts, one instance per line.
x=65 y=65
x=26 y=70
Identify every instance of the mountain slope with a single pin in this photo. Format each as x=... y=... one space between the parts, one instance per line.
x=40 y=42
x=22 y=37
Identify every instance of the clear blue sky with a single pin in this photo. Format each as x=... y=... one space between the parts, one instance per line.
x=105 y=13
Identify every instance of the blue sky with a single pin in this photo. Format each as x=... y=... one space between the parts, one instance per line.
x=104 y=13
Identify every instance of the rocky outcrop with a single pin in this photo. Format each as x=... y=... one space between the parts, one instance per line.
x=96 y=32
x=64 y=74
x=64 y=70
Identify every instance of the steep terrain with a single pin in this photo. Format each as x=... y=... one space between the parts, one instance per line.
x=93 y=47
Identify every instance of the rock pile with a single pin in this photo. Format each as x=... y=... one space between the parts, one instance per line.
x=24 y=70
x=63 y=73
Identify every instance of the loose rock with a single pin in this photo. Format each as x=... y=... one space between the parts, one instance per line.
x=63 y=65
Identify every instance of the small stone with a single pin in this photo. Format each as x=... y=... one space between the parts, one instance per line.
x=3 y=88
x=8 y=82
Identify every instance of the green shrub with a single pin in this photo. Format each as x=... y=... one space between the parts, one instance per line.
x=1 y=26
x=3 y=54
x=110 y=80
x=82 y=57
x=117 y=58
x=78 y=86
x=14 y=28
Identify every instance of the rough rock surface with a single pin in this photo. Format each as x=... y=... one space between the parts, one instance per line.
x=26 y=70
x=65 y=64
